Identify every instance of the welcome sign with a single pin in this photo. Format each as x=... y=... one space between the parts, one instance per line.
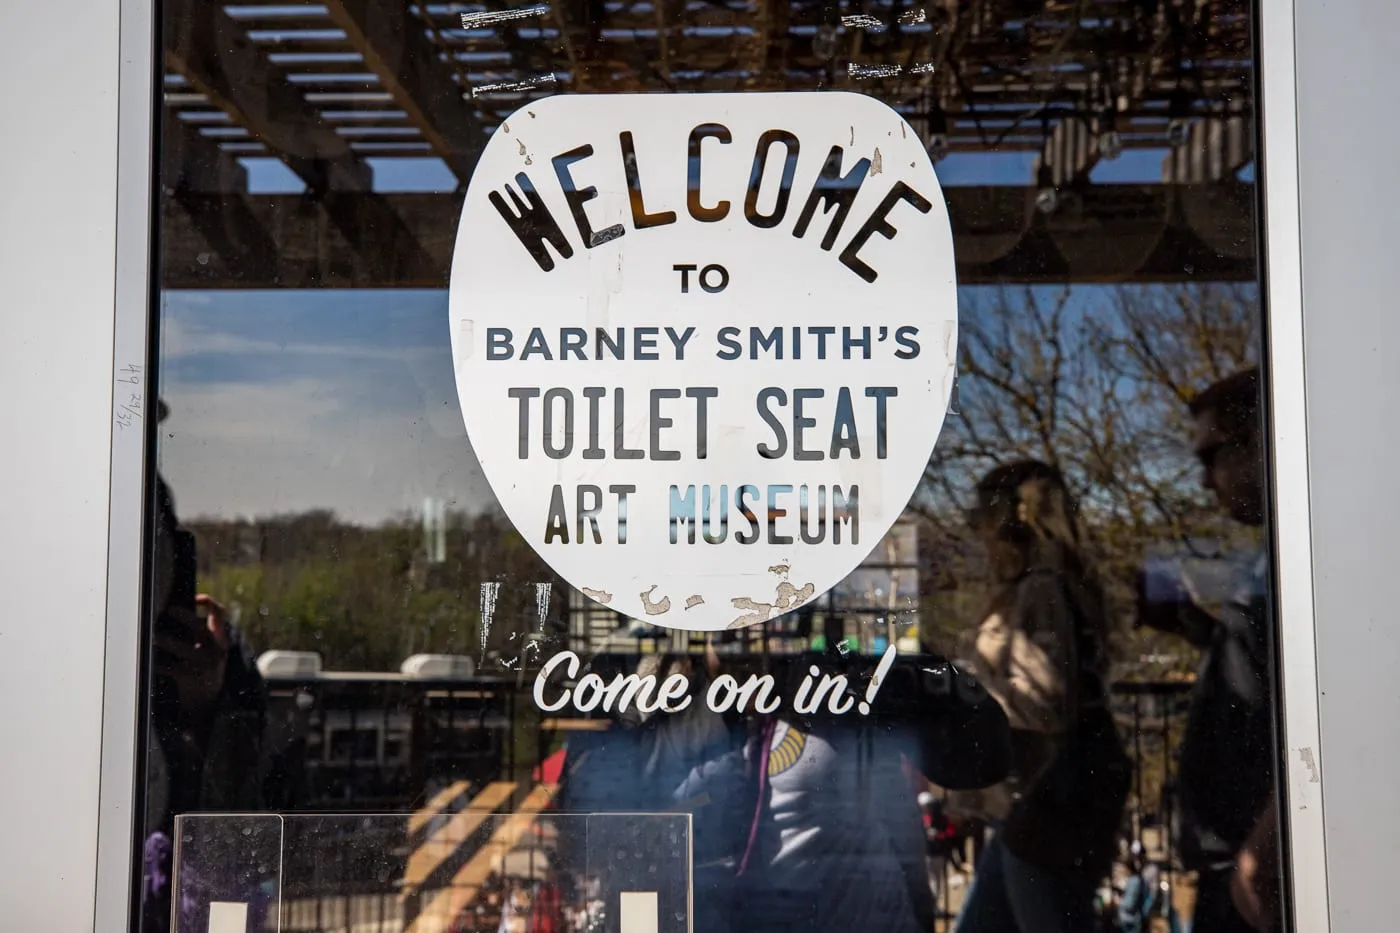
x=704 y=343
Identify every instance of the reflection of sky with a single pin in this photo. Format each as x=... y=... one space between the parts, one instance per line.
x=1134 y=166
x=284 y=401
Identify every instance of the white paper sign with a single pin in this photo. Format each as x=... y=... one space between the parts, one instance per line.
x=704 y=343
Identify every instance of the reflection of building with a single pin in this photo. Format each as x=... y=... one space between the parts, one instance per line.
x=877 y=604
x=342 y=738
x=381 y=739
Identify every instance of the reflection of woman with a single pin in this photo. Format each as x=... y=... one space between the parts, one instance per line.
x=1040 y=650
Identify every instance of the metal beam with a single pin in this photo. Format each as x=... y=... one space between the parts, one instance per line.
x=409 y=66
x=1104 y=234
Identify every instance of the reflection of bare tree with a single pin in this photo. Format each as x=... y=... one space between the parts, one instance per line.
x=1093 y=381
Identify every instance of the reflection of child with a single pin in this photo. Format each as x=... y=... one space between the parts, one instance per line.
x=515 y=911
x=547 y=909
x=1146 y=901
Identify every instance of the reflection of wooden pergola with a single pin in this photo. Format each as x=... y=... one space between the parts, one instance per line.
x=323 y=87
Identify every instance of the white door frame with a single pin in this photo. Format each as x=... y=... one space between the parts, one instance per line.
x=118 y=202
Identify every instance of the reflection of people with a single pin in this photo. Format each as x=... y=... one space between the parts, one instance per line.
x=826 y=830
x=1226 y=770
x=207 y=705
x=942 y=841
x=637 y=764
x=1145 y=896
x=1041 y=651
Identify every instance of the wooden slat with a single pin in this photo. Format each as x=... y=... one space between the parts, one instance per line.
x=210 y=185
x=997 y=235
x=435 y=806
x=441 y=844
x=575 y=725
x=215 y=56
x=408 y=66
x=466 y=884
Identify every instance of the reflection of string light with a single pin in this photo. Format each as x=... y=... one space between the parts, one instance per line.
x=1110 y=141
x=1047 y=199
x=824 y=42
x=1110 y=144
x=1179 y=119
x=937 y=134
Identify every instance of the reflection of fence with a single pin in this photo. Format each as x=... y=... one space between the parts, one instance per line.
x=459 y=754
x=1152 y=716
x=435 y=870
x=496 y=861
x=387 y=742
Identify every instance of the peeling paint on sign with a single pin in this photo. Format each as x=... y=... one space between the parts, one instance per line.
x=654 y=347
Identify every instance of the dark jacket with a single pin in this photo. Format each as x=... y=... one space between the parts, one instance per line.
x=1227 y=752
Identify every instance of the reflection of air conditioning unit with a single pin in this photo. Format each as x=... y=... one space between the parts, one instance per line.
x=440 y=666
x=273 y=664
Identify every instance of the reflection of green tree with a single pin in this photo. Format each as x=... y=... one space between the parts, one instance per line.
x=364 y=598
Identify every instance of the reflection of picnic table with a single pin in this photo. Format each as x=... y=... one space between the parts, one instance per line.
x=451 y=833
x=551 y=765
x=575 y=725
x=452 y=839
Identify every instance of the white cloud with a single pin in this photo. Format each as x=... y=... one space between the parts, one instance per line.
x=348 y=405
x=251 y=450
x=182 y=338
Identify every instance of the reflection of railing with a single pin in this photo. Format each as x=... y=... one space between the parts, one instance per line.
x=376 y=742
x=1152 y=716
x=496 y=862
x=455 y=752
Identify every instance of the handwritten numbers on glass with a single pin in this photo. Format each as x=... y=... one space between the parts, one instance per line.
x=128 y=399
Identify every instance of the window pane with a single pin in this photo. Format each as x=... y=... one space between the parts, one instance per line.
x=875 y=478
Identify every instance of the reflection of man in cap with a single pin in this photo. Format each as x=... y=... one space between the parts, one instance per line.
x=1226 y=769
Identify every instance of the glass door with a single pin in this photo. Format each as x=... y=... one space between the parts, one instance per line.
x=838 y=425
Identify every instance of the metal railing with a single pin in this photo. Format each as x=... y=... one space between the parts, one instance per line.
x=377 y=743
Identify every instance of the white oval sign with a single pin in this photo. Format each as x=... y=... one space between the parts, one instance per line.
x=704 y=343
